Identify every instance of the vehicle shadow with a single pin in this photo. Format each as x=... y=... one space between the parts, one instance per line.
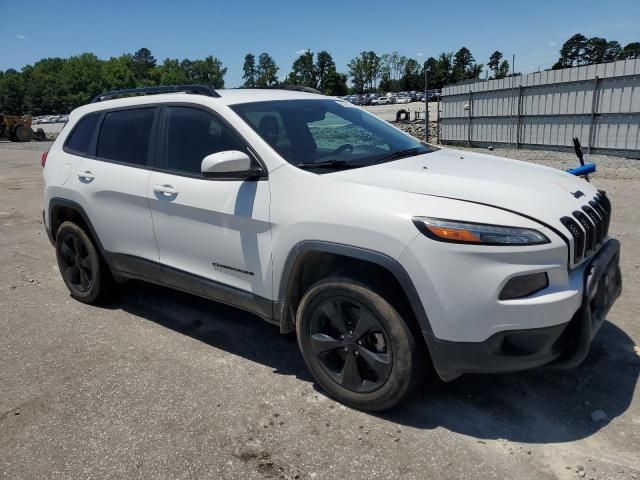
x=227 y=328
x=537 y=406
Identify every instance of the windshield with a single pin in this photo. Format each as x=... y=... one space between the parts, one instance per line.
x=327 y=134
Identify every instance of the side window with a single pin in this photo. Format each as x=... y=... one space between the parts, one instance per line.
x=79 y=140
x=125 y=136
x=191 y=135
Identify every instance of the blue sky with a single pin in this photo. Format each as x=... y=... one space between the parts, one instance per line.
x=533 y=31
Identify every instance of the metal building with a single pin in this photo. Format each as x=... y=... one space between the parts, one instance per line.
x=599 y=104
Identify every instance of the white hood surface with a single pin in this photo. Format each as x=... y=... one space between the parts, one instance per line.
x=536 y=191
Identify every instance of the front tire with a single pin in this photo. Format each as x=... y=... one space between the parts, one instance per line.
x=356 y=344
x=83 y=270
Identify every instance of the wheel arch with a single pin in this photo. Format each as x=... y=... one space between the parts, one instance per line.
x=341 y=257
x=61 y=210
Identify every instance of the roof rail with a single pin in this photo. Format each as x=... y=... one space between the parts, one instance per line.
x=200 y=89
x=298 y=88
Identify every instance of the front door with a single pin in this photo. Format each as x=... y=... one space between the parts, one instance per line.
x=210 y=233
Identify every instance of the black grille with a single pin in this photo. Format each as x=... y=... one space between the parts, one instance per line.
x=597 y=221
x=589 y=226
x=578 y=237
x=605 y=204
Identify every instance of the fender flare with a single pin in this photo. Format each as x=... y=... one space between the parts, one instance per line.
x=57 y=202
x=377 y=258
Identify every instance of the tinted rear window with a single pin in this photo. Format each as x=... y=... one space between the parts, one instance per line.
x=80 y=139
x=124 y=136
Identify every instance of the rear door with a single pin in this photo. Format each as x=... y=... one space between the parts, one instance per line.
x=111 y=184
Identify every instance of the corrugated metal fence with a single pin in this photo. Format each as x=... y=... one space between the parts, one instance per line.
x=599 y=104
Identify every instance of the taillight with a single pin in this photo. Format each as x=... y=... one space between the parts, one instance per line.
x=43 y=158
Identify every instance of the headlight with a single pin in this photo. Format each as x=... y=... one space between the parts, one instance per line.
x=478 y=233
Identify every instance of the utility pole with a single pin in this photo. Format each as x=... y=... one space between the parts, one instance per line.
x=426 y=106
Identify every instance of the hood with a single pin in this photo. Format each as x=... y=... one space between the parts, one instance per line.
x=543 y=193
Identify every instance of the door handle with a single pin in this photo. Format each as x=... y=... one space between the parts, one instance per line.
x=88 y=176
x=166 y=190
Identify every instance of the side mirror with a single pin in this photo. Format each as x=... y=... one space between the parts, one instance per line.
x=231 y=164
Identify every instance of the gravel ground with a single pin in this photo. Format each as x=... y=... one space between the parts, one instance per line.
x=608 y=167
x=160 y=384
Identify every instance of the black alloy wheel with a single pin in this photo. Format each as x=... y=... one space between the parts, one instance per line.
x=351 y=344
x=356 y=344
x=83 y=270
x=75 y=264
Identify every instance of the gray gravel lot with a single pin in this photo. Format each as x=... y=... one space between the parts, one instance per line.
x=160 y=384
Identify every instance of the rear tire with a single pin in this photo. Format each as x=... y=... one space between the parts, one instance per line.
x=356 y=345
x=83 y=270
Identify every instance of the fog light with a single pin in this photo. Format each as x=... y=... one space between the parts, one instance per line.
x=524 y=285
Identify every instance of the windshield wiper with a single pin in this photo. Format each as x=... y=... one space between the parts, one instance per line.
x=328 y=164
x=409 y=152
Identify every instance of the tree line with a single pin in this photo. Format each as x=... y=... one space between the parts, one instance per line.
x=580 y=50
x=58 y=85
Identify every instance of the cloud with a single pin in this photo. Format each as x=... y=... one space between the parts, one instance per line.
x=301 y=51
x=420 y=54
x=21 y=37
x=552 y=44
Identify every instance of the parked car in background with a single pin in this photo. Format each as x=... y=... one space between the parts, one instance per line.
x=403 y=99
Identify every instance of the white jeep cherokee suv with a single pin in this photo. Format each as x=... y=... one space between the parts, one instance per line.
x=380 y=252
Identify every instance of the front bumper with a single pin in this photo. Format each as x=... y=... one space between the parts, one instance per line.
x=561 y=346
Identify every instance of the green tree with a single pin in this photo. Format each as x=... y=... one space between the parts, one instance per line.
x=613 y=52
x=365 y=71
x=207 y=72
x=572 y=52
x=249 y=71
x=412 y=78
x=631 y=50
x=117 y=73
x=503 y=69
x=335 y=84
x=464 y=66
x=494 y=62
x=598 y=50
x=172 y=72
x=81 y=77
x=12 y=92
x=266 y=73
x=325 y=68
x=439 y=71
x=303 y=71
x=142 y=64
x=360 y=72
x=45 y=90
